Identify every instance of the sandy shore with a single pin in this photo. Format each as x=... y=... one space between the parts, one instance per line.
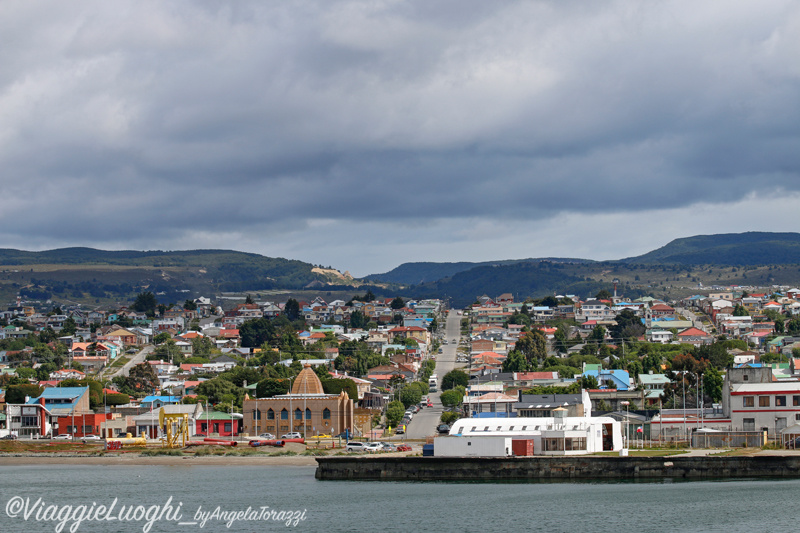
x=166 y=460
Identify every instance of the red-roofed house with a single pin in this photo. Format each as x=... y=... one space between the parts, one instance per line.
x=661 y=311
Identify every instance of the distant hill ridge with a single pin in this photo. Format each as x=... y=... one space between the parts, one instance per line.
x=424 y=272
x=751 y=248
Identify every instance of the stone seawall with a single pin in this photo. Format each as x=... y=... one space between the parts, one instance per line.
x=552 y=468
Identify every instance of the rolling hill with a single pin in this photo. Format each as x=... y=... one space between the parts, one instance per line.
x=425 y=272
x=752 y=248
x=80 y=273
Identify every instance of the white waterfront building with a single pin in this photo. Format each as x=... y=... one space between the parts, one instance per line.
x=558 y=435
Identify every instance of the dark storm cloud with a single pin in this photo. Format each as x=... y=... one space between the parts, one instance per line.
x=182 y=119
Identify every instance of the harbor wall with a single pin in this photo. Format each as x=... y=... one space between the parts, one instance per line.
x=552 y=468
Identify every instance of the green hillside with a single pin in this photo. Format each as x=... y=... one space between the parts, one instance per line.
x=424 y=272
x=752 y=248
x=79 y=274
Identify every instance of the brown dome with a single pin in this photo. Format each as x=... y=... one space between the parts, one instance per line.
x=307 y=382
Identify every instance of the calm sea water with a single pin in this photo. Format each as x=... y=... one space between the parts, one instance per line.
x=729 y=506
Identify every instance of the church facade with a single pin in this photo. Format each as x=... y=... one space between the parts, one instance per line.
x=306 y=410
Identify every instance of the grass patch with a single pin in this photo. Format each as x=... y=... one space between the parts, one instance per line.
x=163 y=451
x=315 y=453
x=119 y=361
x=644 y=453
x=285 y=453
x=736 y=452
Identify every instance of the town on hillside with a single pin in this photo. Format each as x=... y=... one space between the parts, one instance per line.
x=558 y=375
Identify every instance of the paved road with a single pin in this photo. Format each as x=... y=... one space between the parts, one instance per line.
x=691 y=316
x=424 y=422
x=124 y=369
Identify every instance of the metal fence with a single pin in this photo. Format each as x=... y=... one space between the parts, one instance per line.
x=729 y=439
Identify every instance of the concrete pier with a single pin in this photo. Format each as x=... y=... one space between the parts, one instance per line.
x=553 y=468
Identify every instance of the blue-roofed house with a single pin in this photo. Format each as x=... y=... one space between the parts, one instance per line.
x=157 y=402
x=610 y=379
x=62 y=401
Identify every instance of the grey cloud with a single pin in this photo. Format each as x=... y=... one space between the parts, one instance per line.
x=146 y=117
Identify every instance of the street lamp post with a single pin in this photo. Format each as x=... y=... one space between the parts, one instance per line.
x=627 y=423
x=683 y=384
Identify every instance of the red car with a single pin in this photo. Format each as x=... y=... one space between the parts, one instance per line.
x=403 y=448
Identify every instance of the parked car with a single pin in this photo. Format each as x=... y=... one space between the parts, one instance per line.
x=793 y=444
x=430 y=403
x=294 y=435
x=63 y=436
x=10 y=436
x=355 y=446
x=443 y=428
x=90 y=437
x=267 y=436
x=373 y=447
x=400 y=429
x=403 y=448
x=388 y=447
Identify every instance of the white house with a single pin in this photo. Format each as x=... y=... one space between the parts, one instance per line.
x=559 y=435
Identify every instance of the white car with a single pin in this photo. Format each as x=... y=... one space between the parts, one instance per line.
x=90 y=437
x=267 y=436
x=292 y=436
x=373 y=447
x=355 y=446
x=63 y=436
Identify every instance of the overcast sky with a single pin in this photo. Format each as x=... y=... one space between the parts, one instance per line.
x=363 y=135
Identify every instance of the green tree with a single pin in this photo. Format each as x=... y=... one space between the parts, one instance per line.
x=454 y=378
x=190 y=305
x=628 y=325
x=142 y=378
x=603 y=295
x=397 y=303
x=448 y=417
x=292 y=309
x=145 y=303
x=394 y=413
x=598 y=335
x=257 y=332
x=560 y=340
x=793 y=326
x=219 y=390
x=588 y=382
x=267 y=388
x=112 y=399
x=712 y=384
x=203 y=346
x=161 y=338
x=358 y=320
x=533 y=346
x=410 y=396
x=239 y=375
x=519 y=318
x=515 y=362
x=740 y=311
x=452 y=398
x=18 y=393
x=25 y=372
x=69 y=327
x=337 y=385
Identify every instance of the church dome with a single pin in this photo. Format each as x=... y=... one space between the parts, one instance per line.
x=307 y=382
